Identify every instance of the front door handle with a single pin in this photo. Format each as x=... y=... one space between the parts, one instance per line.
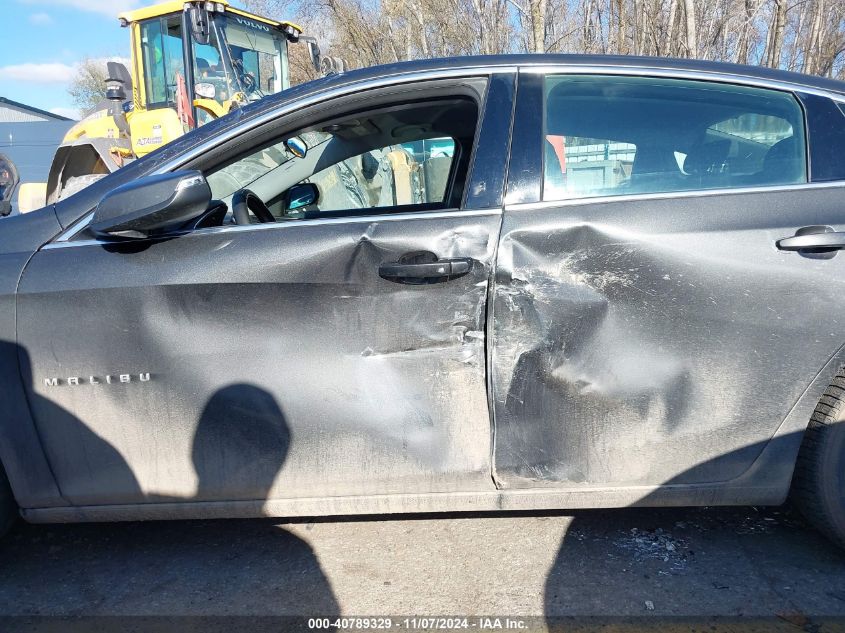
x=424 y=268
x=813 y=237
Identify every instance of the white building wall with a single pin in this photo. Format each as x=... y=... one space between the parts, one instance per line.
x=10 y=114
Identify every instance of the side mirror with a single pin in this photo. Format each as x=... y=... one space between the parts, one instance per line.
x=198 y=18
x=301 y=195
x=151 y=205
x=313 y=51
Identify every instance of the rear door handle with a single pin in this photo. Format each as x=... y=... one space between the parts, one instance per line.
x=411 y=270
x=813 y=237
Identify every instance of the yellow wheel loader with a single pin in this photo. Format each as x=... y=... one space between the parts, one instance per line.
x=191 y=61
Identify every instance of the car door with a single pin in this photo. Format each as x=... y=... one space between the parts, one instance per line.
x=650 y=325
x=304 y=358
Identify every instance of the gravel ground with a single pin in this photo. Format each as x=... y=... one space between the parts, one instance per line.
x=644 y=566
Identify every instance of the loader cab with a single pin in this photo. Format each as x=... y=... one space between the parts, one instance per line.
x=192 y=61
x=206 y=59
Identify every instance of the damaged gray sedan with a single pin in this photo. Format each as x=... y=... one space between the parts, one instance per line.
x=479 y=284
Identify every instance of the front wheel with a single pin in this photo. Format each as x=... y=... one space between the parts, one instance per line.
x=818 y=486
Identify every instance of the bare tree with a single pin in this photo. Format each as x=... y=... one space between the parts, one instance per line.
x=745 y=32
x=88 y=86
x=806 y=35
x=774 y=45
x=691 y=31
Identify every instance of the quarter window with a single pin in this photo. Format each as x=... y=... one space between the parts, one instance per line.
x=624 y=135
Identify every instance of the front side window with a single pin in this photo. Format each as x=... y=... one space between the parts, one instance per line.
x=385 y=177
x=161 y=47
x=624 y=135
x=409 y=157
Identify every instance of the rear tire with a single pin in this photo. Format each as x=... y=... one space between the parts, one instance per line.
x=78 y=183
x=8 y=507
x=818 y=486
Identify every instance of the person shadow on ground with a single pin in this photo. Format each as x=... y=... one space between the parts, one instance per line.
x=238 y=567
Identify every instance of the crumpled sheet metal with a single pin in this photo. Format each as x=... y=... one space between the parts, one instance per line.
x=644 y=355
x=339 y=382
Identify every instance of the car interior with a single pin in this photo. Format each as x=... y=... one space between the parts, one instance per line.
x=398 y=158
x=683 y=135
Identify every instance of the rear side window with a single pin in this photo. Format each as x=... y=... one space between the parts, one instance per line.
x=625 y=135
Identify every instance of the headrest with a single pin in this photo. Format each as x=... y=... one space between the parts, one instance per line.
x=783 y=161
x=707 y=158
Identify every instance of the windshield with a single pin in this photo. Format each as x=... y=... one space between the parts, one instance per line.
x=256 y=64
x=258 y=55
x=248 y=169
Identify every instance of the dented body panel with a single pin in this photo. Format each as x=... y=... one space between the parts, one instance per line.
x=659 y=341
x=362 y=386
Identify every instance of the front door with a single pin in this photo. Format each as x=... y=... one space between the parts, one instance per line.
x=317 y=355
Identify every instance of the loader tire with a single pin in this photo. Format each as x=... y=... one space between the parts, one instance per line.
x=8 y=507
x=818 y=485
x=78 y=183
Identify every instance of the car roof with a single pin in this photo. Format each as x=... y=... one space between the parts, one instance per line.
x=593 y=62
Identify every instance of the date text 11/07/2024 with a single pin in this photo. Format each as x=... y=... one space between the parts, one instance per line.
x=480 y=623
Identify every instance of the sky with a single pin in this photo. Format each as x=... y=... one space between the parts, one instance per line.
x=42 y=40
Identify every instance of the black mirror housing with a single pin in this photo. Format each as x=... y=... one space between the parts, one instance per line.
x=313 y=51
x=198 y=19
x=151 y=205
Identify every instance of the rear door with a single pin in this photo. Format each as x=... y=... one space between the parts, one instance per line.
x=286 y=360
x=648 y=329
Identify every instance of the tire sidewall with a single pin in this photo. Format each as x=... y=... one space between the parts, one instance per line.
x=832 y=474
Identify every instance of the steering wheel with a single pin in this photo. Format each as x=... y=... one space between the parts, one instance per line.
x=244 y=201
x=250 y=83
x=246 y=77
